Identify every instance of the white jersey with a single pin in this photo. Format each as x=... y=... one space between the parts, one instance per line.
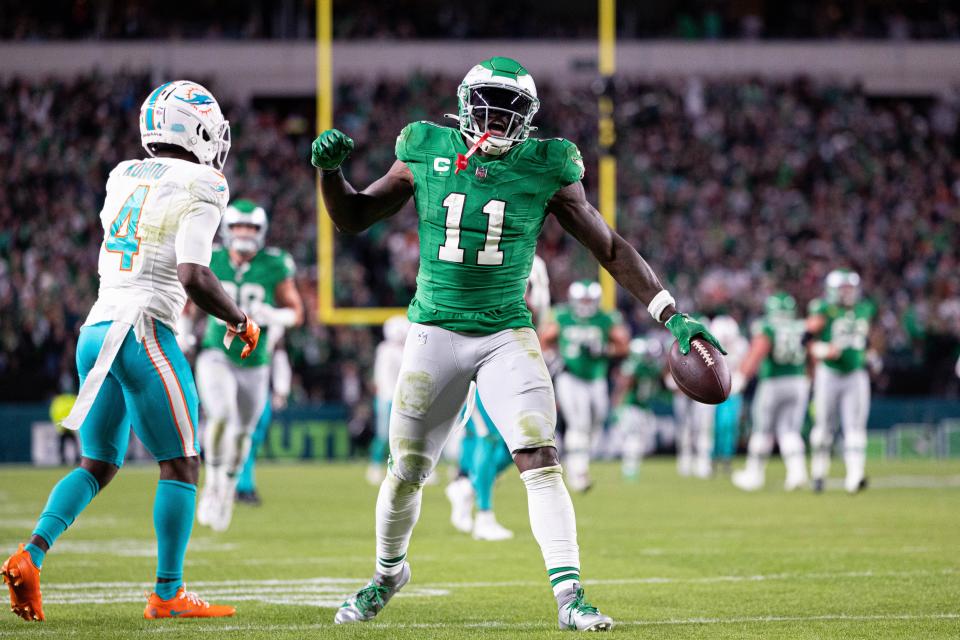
x=386 y=368
x=158 y=213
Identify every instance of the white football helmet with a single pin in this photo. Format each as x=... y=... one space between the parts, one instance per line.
x=843 y=287
x=395 y=329
x=584 y=296
x=244 y=212
x=185 y=114
x=497 y=95
x=725 y=329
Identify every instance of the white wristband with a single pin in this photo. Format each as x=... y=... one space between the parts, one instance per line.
x=660 y=302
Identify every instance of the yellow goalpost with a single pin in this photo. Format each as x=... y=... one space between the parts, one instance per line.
x=327 y=310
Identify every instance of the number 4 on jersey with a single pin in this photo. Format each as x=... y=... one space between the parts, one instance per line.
x=123 y=237
x=490 y=255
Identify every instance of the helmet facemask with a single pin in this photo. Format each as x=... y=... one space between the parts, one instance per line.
x=502 y=110
x=239 y=215
x=584 y=298
x=843 y=287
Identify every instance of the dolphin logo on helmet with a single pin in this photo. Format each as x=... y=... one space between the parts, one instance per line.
x=172 y=114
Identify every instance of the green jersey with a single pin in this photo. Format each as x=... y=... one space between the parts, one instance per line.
x=583 y=341
x=787 y=356
x=479 y=227
x=644 y=374
x=252 y=283
x=848 y=329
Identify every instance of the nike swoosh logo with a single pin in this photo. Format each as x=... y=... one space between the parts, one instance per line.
x=175 y=613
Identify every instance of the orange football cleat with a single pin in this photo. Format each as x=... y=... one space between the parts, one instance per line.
x=23 y=579
x=186 y=604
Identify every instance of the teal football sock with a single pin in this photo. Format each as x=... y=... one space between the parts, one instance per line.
x=36 y=554
x=483 y=471
x=173 y=511
x=67 y=500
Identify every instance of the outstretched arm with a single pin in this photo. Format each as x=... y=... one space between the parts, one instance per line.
x=585 y=223
x=353 y=211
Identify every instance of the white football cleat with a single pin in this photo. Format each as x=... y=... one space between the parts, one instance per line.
x=370 y=600
x=460 y=494
x=486 y=527
x=576 y=614
x=747 y=481
x=221 y=512
x=796 y=481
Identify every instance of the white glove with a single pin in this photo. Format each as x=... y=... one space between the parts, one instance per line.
x=266 y=315
x=822 y=351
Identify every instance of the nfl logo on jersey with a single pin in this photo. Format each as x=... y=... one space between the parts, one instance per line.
x=481 y=172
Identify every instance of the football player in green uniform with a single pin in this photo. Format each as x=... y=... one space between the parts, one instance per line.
x=234 y=392
x=587 y=338
x=482 y=192
x=783 y=391
x=839 y=328
x=638 y=381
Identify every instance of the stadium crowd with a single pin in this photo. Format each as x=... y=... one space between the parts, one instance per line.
x=731 y=189
x=494 y=19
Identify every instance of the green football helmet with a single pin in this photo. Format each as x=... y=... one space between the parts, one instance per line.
x=244 y=212
x=843 y=287
x=780 y=306
x=497 y=96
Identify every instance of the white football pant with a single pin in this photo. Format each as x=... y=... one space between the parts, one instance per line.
x=842 y=398
x=584 y=405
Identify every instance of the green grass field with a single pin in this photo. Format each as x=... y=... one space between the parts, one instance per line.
x=667 y=558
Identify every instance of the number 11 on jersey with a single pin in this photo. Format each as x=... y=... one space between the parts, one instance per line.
x=450 y=250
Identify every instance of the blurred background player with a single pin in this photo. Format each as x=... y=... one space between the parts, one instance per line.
x=838 y=329
x=234 y=391
x=782 y=395
x=281 y=377
x=131 y=369
x=715 y=427
x=60 y=408
x=587 y=338
x=386 y=369
x=638 y=380
x=483 y=452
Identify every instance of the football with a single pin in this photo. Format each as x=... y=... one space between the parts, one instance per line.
x=702 y=374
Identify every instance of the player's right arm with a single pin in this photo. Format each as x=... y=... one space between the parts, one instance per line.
x=194 y=247
x=353 y=211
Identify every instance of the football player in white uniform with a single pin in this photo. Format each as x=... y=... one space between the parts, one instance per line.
x=159 y=219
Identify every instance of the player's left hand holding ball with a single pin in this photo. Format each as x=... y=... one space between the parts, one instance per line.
x=330 y=149
x=684 y=328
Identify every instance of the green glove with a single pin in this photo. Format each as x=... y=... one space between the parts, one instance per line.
x=684 y=328
x=330 y=149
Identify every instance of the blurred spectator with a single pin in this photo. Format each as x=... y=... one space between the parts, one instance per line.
x=731 y=189
x=493 y=19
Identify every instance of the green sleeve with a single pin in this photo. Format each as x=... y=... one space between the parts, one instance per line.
x=761 y=328
x=629 y=366
x=409 y=147
x=817 y=307
x=287 y=266
x=571 y=163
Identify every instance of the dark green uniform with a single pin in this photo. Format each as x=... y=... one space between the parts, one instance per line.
x=583 y=341
x=848 y=329
x=254 y=282
x=479 y=227
x=787 y=356
x=645 y=380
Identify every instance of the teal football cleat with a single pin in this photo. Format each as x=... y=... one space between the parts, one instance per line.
x=369 y=601
x=576 y=614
